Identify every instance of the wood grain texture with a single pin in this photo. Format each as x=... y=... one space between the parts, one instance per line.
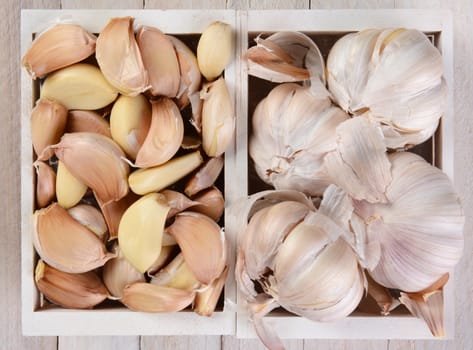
x=351 y=4
x=99 y=343
x=181 y=342
x=279 y=4
x=183 y=4
x=102 y=4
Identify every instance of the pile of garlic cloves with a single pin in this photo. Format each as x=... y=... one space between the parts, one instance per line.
x=352 y=210
x=129 y=134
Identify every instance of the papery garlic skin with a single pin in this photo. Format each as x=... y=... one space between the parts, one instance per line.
x=420 y=228
x=293 y=130
x=394 y=76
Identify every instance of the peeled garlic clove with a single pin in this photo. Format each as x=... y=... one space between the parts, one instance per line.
x=58 y=47
x=64 y=243
x=164 y=136
x=206 y=300
x=97 y=162
x=211 y=203
x=218 y=119
x=205 y=176
x=177 y=201
x=45 y=184
x=147 y=297
x=80 y=86
x=119 y=57
x=70 y=290
x=90 y=217
x=87 y=121
x=176 y=275
x=202 y=243
x=214 y=49
x=118 y=273
x=48 y=121
x=163 y=259
x=69 y=189
x=141 y=229
x=130 y=120
x=189 y=69
x=160 y=60
x=360 y=163
x=148 y=180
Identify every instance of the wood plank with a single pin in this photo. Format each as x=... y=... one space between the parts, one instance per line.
x=183 y=4
x=40 y=4
x=279 y=4
x=421 y=345
x=345 y=344
x=180 y=342
x=232 y=343
x=99 y=343
x=351 y=4
x=105 y=4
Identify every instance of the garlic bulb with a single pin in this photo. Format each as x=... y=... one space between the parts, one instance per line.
x=293 y=130
x=419 y=230
x=393 y=76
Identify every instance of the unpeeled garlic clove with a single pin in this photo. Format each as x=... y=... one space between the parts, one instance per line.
x=168 y=240
x=381 y=295
x=218 y=119
x=119 y=57
x=177 y=201
x=190 y=74
x=164 y=136
x=176 y=274
x=87 y=121
x=90 y=217
x=148 y=180
x=160 y=60
x=205 y=176
x=141 y=229
x=58 y=47
x=211 y=203
x=48 y=121
x=64 y=243
x=69 y=189
x=45 y=184
x=164 y=258
x=147 y=297
x=130 y=120
x=118 y=273
x=206 y=300
x=70 y=290
x=97 y=161
x=202 y=243
x=214 y=49
x=80 y=86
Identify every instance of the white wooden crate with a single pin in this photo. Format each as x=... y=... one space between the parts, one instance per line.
x=327 y=23
x=117 y=320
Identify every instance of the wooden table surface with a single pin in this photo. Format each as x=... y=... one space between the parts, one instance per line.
x=10 y=322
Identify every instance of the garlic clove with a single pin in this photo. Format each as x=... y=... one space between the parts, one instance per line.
x=191 y=143
x=218 y=119
x=97 y=162
x=160 y=60
x=164 y=258
x=189 y=69
x=80 y=86
x=360 y=163
x=206 y=300
x=130 y=120
x=381 y=295
x=214 y=49
x=168 y=239
x=205 y=176
x=196 y=105
x=113 y=212
x=70 y=290
x=177 y=275
x=69 y=189
x=87 y=121
x=210 y=203
x=64 y=243
x=177 y=201
x=119 y=57
x=147 y=297
x=45 y=184
x=202 y=243
x=58 y=47
x=164 y=136
x=90 y=217
x=48 y=121
x=118 y=273
x=157 y=178
x=141 y=228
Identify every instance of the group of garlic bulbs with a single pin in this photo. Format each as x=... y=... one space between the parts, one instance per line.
x=127 y=199
x=340 y=137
